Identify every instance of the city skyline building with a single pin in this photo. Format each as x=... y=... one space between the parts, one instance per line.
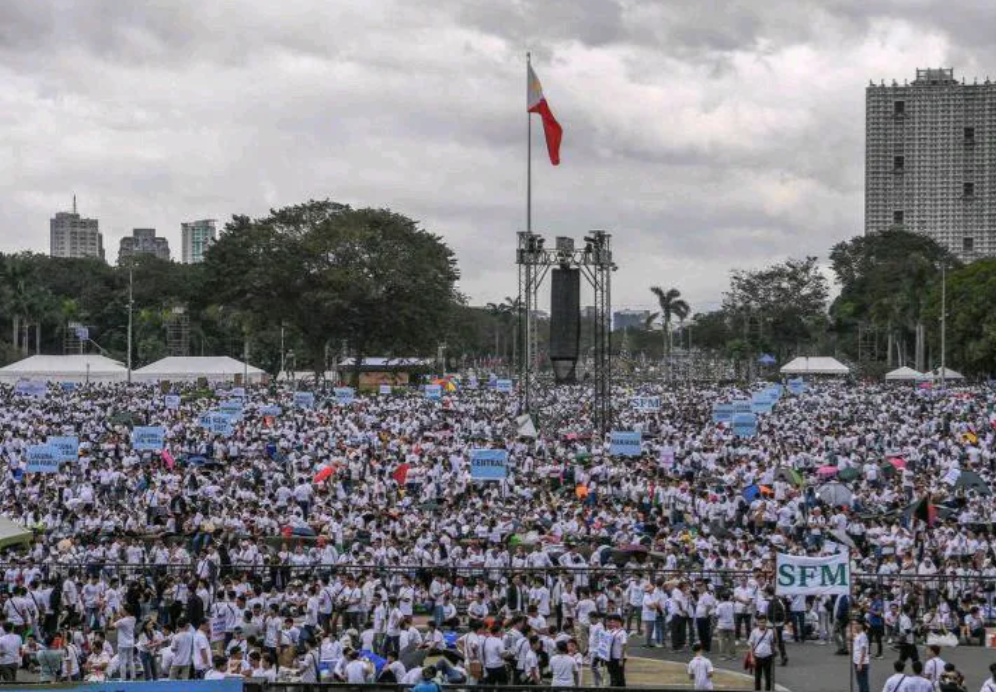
x=930 y=160
x=71 y=235
x=196 y=237
x=143 y=241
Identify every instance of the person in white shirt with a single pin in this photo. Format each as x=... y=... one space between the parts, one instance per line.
x=617 y=651
x=202 y=650
x=700 y=669
x=125 y=625
x=860 y=656
x=356 y=669
x=761 y=644
x=934 y=666
x=726 y=616
x=916 y=682
x=896 y=680
x=649 y=608
x=183 y=651
x=563 y=668
x=10 y=654
x=990 y=684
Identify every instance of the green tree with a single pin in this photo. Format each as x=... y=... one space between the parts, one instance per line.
x=971 y=325
x=885 y=279
x=371 y=279
x=779 y=308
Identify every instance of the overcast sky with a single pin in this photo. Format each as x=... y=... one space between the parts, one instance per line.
x=704 y=135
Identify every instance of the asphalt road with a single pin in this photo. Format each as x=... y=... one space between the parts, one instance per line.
x=815 y=668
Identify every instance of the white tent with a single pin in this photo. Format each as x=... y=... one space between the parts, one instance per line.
x=77 y=369
x=949 y=374
x=904 y=374
x=191 y=369
x=820 y=365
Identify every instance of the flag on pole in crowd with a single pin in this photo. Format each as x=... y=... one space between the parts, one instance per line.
x=400 y=474
x=536 y=103
x=525 y=426
x=168 y=458
x=925 y=511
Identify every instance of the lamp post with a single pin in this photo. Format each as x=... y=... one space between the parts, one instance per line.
x=131 y=305
x=944 y=320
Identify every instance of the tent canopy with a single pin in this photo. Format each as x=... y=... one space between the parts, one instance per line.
x=904 y=374
x=79 y=369
x=818 y=365
x=12 y=533
x=192 y=368
x=949 y=374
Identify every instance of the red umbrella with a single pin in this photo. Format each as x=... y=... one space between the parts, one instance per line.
x=827 y=470
x=898 y=463
x=323 y=474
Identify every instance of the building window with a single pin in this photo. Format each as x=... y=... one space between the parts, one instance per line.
x=968 y=244
x=969 y=189
x=897 y=217
x=898 y=163
x=899 y=108
x=969 y=134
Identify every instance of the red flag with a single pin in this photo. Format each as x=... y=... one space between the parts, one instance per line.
x=401 y=473
x=168 y=458
x=536 y=103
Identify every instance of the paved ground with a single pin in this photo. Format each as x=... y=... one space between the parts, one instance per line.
x=815 y=668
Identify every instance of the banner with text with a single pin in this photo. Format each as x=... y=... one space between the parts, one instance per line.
x=226 y=685
x=647 y=403
x=798 y=575
x=488 y=464
x=42 y=459
x=66 y=448
x=148 y=438
x=304 y=399
x=624 y=443
x=344 y=395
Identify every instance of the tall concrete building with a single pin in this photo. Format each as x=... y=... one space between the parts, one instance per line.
x=197 y=237
x=143 y=241
x=70 y=235
x=930 y=160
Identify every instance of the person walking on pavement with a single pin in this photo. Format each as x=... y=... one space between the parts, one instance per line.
x=860 y=656
x=761 y=644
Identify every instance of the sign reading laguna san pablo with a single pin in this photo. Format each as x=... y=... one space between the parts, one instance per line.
x=797 y=575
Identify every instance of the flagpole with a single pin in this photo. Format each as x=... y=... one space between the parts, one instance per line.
x=529 y=156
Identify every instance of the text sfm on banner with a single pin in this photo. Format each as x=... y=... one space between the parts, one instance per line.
x=797 y=575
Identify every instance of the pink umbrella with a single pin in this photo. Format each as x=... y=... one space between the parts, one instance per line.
x=898 y=463
x=827 y=470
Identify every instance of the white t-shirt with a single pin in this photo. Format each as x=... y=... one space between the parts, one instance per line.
x=699 y=669
x=564 y=668
x=126 y=632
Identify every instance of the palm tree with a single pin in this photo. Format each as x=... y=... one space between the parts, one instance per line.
x=671 y=306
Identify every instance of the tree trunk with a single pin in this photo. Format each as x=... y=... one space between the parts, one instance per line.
x=16 y=334
x=37 y=338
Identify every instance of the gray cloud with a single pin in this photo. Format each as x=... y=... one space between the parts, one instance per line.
x=705 y=135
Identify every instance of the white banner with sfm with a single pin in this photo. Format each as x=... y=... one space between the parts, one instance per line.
x=796 y=575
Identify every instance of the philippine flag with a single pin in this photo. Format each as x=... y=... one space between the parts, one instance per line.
x=536 y=103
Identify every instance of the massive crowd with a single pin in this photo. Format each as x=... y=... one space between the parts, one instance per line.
x=350 y=542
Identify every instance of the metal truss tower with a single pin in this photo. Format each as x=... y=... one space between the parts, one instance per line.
x=594 y=261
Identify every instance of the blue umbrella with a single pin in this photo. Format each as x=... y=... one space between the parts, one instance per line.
x=197 y=460
x=767 y=359
x=751 y=492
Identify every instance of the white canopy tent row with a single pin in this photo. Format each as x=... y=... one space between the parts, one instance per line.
x=949 y=374
x=905 y=374
x=79 y=369
x=193 y=368
x=817 y=365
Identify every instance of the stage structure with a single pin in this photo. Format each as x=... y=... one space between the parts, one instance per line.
x=594 y=261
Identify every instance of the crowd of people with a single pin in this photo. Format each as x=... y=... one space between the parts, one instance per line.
x=349 y=541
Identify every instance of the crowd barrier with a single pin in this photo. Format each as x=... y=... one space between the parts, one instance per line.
x=252 y=686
